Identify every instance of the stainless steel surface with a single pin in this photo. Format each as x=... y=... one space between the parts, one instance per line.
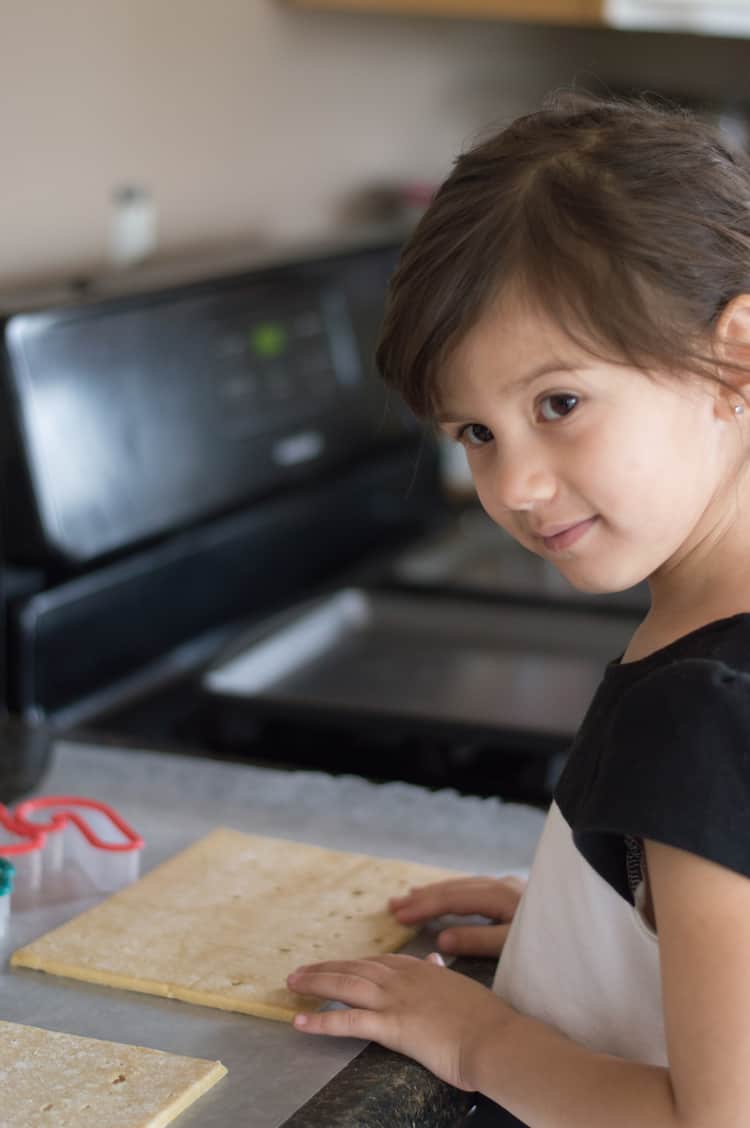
x=173 y=800
x=430 y=658
x=473 y=554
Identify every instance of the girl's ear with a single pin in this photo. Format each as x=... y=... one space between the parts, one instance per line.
x=732 y=346
x=732 y=338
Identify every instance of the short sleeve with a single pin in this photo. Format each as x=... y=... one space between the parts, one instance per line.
x=676 y=767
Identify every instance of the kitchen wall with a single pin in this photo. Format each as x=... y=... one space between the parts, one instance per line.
x=248 y=119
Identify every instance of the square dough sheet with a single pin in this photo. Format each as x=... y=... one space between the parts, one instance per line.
x=71 y=1082
x=222 y=923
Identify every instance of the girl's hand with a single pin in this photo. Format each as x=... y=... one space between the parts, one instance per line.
x=416 y=1007
x=496 y=898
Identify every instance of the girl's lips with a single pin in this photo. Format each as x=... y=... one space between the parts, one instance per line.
x=568 y=536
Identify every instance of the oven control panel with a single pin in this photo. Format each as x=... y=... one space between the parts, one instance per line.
x=134 y=417
x=283 y=364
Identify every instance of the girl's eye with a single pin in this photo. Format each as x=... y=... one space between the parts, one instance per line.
x=475 y=434
x=556 y=407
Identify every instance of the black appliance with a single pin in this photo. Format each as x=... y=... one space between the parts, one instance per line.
x=24 y=748
x=183 y=468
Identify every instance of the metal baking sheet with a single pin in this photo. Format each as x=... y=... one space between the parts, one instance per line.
x=432 y=659
x=474 y=555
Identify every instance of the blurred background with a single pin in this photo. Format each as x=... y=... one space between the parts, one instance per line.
x=219 y=534
x=252 y=122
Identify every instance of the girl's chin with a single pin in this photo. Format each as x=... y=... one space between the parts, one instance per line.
x=585 y=577
x=595 y=588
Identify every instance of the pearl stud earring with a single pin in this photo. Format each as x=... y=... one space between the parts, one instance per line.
x=738 y=408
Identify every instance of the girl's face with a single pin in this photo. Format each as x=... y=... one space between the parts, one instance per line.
x=610 y=474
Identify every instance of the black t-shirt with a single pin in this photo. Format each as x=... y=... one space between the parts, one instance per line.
x=664 y=753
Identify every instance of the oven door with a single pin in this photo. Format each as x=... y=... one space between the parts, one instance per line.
x=481 y=695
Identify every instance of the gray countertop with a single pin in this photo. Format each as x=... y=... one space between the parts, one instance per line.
x=172 y=800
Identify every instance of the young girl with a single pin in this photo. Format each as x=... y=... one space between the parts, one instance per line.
x=574 y=308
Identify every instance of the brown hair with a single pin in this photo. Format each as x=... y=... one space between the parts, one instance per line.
x=626 y=222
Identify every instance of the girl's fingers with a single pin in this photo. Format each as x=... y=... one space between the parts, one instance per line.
x=340 y=1024
x=372 y=967
x=356 y=982
x=474 y=940
x=456 y=886
x=440 y=887
x=490 y=897
x=348 y=987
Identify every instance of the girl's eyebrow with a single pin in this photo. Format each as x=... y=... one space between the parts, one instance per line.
x=543 y=369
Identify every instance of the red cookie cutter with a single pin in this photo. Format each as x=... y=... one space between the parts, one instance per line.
x=68 y=828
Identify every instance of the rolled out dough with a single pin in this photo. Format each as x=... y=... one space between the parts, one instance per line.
x=52 y=1080
x=223 y=923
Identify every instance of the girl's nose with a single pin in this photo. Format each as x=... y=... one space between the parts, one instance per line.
x=521 y=482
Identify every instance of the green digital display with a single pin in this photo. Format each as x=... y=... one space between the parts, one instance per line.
x=268 y=340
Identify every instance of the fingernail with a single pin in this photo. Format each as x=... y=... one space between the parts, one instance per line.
x=447 y=943
x=300 y=1020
